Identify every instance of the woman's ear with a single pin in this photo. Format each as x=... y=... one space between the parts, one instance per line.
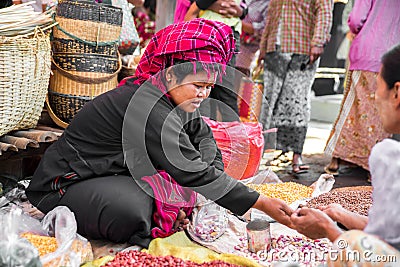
x=396 y=89
x=169 y=74
x=396 y=93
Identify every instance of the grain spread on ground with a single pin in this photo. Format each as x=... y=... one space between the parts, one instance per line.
x=358 y=201
x=288 y=191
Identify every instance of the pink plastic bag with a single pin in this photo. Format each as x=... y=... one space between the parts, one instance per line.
x=241 y=145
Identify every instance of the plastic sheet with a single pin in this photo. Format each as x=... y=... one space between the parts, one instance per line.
x=241 y=145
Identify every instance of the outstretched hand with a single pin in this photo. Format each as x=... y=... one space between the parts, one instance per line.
x=334 y=211
x=275 y=208
x=314 y=224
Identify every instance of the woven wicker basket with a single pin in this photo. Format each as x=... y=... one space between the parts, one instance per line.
x=90 y=11
x=86 y=62
x=70 y=90
x=24 y=77
x=88 y=31
x=85 y=56
x=72 y=46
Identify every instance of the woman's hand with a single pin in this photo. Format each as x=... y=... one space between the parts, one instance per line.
x=227 y=8
x=314 y=224
x=275 y=208
x=334 y=211
x=348 y=219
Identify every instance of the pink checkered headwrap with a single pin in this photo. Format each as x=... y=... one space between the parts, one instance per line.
x=199 y=39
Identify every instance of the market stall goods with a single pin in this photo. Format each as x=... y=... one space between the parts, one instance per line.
x=241 y=145
x=24 y=66
x=136 y=258
x=356 y=200
x=47 y=245
x=287 y=191
x=285 y=248
x=85 y=59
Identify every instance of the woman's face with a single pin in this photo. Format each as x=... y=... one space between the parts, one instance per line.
x=189 y=93
x=387 y=102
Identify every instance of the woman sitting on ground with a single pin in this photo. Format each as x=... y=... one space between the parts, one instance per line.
x=131 y=160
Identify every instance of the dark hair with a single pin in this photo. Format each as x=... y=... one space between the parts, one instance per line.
x=151 y=4
x=182 y=68
x=6 y=3
x=391 y=66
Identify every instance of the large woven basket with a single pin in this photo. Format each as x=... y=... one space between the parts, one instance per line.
x=88 y=22
x=24 y=77
x=75 y=47
x=85 y=56
x=69 y=90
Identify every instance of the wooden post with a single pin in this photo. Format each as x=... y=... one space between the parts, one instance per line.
x=164 y=13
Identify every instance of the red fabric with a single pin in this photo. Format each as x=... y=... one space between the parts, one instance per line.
x=169 y=198
x=250 y=96
x=241 y=145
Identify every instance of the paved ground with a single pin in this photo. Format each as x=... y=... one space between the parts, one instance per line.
x=314 y=156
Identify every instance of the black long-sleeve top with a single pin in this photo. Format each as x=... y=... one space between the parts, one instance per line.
x=155 y=135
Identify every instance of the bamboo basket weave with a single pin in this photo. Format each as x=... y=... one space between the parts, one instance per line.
x=75 y=47
x=69 y=91
x=85 y=58
x=24 y=76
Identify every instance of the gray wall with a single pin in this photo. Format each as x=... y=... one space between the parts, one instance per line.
x=164 y=13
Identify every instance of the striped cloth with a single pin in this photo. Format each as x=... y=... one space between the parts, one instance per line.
x=169 y=198
x=303 y=24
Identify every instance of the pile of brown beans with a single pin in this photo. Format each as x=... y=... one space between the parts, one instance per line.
x=142 y=259
x=358 y=201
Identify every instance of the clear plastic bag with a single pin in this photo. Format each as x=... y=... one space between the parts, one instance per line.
x=73 y=249
x=267 y=176
x=14 y=250
x=18 y=232
x=210 y=222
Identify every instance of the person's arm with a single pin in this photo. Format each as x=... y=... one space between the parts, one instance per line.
x=157 y=141
x=323 y=24
x=359 y=15
x=349 y=219
x=315 y=224
x=193 y=12
x=259 y=25
x=202 y=138
x=247 y=27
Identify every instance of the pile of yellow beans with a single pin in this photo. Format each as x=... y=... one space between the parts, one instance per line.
x=288 y=191
x=44 y=244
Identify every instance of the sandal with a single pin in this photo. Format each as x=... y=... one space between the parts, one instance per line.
x=300 y=168
x=280 y=159
x=332 y=171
